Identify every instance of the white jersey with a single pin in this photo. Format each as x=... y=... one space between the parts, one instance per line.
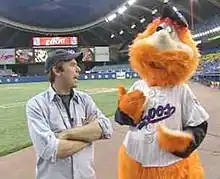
x=174 y=107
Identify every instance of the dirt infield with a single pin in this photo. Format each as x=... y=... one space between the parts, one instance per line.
x=21 y=165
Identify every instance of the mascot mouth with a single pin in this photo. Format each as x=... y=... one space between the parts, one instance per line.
x=156 y=65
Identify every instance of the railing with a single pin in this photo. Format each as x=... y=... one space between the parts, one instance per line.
x=209 y=79
x=96 y=76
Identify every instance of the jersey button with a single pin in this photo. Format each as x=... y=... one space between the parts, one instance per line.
x=150 y=128
x=152 y=103
x=152 y=93
x=149 y=139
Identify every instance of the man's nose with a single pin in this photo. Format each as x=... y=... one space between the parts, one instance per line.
x=78 y=69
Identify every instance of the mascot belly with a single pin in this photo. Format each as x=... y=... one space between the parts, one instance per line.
x=166 y=122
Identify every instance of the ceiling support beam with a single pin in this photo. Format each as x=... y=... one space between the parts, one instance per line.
x=113 y=32
x=124 y=27
x=11 y=38
x=216 y=3
x=146 y=9
x=83 y=39
x=99 y=37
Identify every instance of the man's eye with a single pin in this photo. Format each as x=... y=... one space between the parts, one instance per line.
x=72 y=64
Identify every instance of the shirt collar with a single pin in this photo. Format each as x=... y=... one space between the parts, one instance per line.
x=53 y=96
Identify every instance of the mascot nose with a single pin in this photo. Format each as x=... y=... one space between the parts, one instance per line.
x=164 y=37
x=161 y=40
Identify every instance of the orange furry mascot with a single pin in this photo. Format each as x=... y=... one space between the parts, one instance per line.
x=166 y=122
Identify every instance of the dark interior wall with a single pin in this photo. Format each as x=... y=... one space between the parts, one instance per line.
x=36 y=69
x=20 y=69
x=27 y=69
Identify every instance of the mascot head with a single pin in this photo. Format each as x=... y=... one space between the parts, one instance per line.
x=165 y=53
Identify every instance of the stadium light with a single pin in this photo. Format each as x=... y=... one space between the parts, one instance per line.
x=142 y=20
x=133 y=26
x=216 y=29
x=122 y=9
x=130 y=2
x=210 y=31
x=206 y=33
x=111 y=17
x=154 y=11
x=112 y=36
x=175 y=9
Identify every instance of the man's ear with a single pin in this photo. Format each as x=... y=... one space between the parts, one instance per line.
x=56 y=71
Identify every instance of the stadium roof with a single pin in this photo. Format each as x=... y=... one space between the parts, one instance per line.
x=95 y=22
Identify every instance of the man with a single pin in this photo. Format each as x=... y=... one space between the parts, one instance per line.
x=63 y=123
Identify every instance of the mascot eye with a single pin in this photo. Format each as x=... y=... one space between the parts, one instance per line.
x=159 y=28
x=169 y=29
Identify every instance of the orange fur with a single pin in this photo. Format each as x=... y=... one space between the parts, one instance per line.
x=131 y=169
x=165 y=68
x=143 y=55
x=132 y=104
x=173 y=141
x=177 y=65
x=121 y=92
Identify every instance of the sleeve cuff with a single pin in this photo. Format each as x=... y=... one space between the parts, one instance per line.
x=123 y=119
x=106 y=127
x=54 y=155
x=199 y=133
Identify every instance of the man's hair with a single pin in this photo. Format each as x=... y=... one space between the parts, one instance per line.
x=59 y=68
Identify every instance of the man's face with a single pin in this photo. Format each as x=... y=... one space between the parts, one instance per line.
x=70 y=73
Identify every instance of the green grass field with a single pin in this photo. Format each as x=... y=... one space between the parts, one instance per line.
x=13 y=127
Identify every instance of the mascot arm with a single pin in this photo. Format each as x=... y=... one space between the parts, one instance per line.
x=194 y=119
x=131 y=106
x=198 y=133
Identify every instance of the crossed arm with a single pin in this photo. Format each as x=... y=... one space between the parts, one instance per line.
x=73 y=140
x=87 y=133
x=49 y=145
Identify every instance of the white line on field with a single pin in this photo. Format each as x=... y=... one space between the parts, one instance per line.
x=110 y=90
x=11 y=105
x=89 y=91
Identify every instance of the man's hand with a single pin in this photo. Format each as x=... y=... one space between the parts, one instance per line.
x=61 y=135
x=87 y=133
x=67 y=148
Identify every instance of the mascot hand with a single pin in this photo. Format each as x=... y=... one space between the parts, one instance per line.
x=132 y=103
x=173 y=140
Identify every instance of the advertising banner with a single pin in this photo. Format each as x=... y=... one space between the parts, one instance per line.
x=120 y=75
x=101 y=54
x=25 y=55
x=55 y=41
x=7 y=56
x=41 y=54
x=88 y=54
